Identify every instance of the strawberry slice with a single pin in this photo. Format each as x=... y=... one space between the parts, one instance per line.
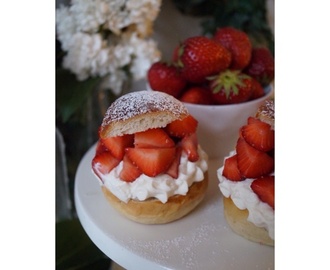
x=151 y=161
x=251 y=162
x=129 y=171
x=259 y=135
x=264 y=187
x=180 y=128
x=103 y=163
x=153 y=138
x=230 y=170
x=117 y=145
x=189 y=144
x=252 y=120
x=173 y=170
x=100 y=147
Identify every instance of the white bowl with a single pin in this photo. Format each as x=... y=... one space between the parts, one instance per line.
x=218 y=125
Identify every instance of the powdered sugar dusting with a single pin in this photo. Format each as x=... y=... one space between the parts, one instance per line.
x=183 y=247
x=266 y=112
x=141 y=102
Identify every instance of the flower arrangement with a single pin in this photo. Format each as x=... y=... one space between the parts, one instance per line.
x=101 y=47
x=108 y=39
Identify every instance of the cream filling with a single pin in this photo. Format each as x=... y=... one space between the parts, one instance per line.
x=162 y=186
x=260 y=213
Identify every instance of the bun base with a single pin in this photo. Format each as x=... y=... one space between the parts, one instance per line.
x=237 y=220
x=153 y=211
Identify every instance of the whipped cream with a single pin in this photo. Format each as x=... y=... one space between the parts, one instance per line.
x=260 y=213
x=162 y=186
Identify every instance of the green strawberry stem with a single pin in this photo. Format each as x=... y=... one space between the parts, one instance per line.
x=229 y=81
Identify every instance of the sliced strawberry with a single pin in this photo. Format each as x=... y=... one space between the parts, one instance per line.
x=117 y=145
x=189 y=145
x=251 y=162
x=260 y=135
x=264 y=187
x=100 y=147
x=153 y=138
x=151 y=161
x=230 y=170
x=180 y=128
x=173 y=170
x=103 y=163
x=252 y=120
x=129 y=171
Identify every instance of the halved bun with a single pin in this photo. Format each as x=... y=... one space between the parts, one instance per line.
x=153 y=211
x=140 y=111
x=237 y=220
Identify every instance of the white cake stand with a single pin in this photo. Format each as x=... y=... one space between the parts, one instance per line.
x=201 y=240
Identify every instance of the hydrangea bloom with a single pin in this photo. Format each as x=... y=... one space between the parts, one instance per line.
x=108 y=38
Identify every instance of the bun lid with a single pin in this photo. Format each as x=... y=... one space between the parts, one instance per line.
x=266 y=112
x=139 y=111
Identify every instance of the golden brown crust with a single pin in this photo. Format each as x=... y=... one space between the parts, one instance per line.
x=237 y=220
x=153 y=211
x=140 y=111
x=266 y=112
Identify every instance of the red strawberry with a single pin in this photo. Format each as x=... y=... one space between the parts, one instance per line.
x=201 y=57
x=189 y=145
x=197 y=95
x=173 y=170
x=252 y=120
x=231 y=86
x=153 y=138
x=129 y=171
x=230 y=170
x=176 y=53
x=117 y=145
x=103 y=163
x=100 y=147
x=259 y=135
x=180 y=128
x=151 y=161
x=166 y=78
x=264 y=187
x=261 y=66
x=238 y=43
x=257 y=89
x=251 y=162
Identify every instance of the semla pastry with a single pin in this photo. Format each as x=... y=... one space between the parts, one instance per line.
x=247 y=178
x=148 y=160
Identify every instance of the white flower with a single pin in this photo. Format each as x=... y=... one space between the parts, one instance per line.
x=146 y=53
x=108 y=38
x=66 y=26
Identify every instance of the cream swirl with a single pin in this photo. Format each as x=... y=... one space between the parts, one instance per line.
x=162 y=186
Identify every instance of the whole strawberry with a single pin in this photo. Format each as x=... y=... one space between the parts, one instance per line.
x=257 y=89
x=231 y=86
x=238 y=43
x=197 y=95
x=261 y=66
x=200 y=57
x=166 y=78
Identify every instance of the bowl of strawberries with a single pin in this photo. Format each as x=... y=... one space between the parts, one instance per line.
x=222 y=80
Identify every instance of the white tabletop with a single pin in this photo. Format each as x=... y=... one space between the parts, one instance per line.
x=201 y=240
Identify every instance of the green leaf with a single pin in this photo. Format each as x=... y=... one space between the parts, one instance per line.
x=71 y=93
x=75 y=250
